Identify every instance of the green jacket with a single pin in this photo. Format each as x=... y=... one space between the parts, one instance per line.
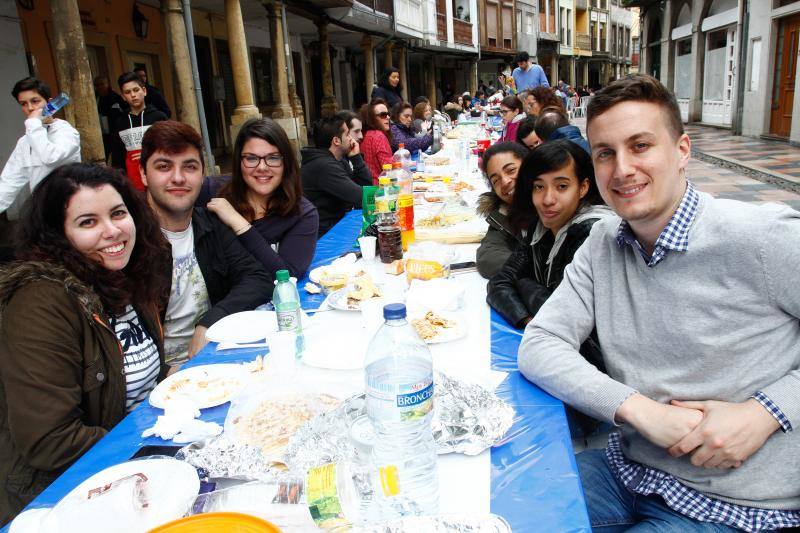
x=500 y=239
x=62 y=379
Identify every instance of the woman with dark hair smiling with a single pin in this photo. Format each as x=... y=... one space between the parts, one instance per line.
x=403 y=131
x=511 y=113
x=263 y=203
x=376 y=148
x=501 y=163
x=557 y=201
x=388 y=89
x=81 y=343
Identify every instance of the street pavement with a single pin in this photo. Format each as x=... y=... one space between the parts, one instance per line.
x=726 y=166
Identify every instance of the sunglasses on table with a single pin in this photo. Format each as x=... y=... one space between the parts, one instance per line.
x=382 y=114
x=271 y=160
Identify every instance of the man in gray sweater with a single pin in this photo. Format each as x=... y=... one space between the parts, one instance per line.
x=696 y=303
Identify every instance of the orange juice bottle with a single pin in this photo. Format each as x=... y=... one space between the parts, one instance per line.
x=405 y=203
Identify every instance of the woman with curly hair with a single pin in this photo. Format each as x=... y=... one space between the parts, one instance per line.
x=263 y=204
x=377 y=144
x=537 y=99
x=81 y=343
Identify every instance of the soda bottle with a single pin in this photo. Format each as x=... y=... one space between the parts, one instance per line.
x=405 y=205
x=399 y=387
x=390 y=245
x=402 y=156
x=386 y=170
x=286 y=301
x=55 y=104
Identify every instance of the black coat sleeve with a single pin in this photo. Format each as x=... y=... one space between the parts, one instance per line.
x=249 y=284
x=156 y=98
x=502 y=292
x=361 y=172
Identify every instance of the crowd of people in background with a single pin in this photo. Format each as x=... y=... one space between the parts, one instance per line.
x=119 y=271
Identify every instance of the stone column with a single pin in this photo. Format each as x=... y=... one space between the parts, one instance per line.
x=553 y=70
x=388 y=61
x=369 y=63
x=329 y=105
x=75 y=78
x=430 y=81
x=185 y=97
x=697 y=73
x=297 y=105
x=473 y=76
x=240 y=62
x=280 y=84
x=401 y=59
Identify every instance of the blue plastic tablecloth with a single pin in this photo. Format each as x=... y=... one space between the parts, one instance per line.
x=534 y=479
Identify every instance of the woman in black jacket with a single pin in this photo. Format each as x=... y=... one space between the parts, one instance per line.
x=557 y=199
x=389 y=87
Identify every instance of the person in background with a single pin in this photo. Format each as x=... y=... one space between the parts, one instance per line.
x=212 y=275
x=512 y=115
x=501 y=162
x=388 y=89
x=129 y=128
x=154 y=98
x=263 y=203
x=466 y=100
x=528 y=75
x=403 y=131
x=539 y=98
x=377 y=144
x=354 y=126
x=423 y=118
x=479 y=100
x=454 y=107
x=526 y=133
x=553 y=124
x=110 y=105
x=47 y=144
x=334 y=172
x=80 y=341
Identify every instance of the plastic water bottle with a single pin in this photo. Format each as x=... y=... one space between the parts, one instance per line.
x=402 y=156
x=399 y=384
x=286 y=301
x=55 y=104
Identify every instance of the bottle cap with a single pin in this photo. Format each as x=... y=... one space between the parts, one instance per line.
x=386 y=166
x=282 y=275
x=384 y=180
x=394 y=311
x=401 y=145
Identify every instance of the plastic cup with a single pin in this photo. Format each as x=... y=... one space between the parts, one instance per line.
x=367 y=245
x=282 y=351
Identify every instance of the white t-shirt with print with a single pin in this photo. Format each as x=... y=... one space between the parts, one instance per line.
x=140 y=356
x=188 y=297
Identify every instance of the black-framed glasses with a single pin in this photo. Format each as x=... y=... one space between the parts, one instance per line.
x=383 y=114
x=504 y=111
x=271 y=160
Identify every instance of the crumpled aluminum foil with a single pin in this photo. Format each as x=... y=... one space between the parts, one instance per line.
x=221 y=457
x=439 y=524
x=467 y=419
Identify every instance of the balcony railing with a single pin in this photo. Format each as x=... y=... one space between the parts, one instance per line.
x=441 y=26
x=462 y=32
x=583 y=41
x=382 y=6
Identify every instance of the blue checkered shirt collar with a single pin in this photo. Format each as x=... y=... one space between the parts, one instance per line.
x=674 y=236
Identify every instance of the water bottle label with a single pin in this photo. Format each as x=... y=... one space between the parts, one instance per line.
x=412 y=402
x=323 y=497
x=288 y=320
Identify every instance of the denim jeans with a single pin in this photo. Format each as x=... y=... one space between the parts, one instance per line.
x=613 y=507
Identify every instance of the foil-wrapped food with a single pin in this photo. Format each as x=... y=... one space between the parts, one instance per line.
x=467 y=419
x=438 y=524
x=222 y=457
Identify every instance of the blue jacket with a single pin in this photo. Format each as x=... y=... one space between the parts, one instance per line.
x=392 y=96
x=404 y=134
x=573 y=134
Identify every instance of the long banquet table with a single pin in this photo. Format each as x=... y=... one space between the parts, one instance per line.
x=533 y=481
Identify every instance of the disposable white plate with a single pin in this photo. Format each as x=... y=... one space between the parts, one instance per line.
x=338 y=300
x=247 y=326
x=170 y=491
x=455 y=333
x=205 y=386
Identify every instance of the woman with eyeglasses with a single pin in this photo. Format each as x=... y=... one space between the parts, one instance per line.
x=264 y=204
x=512 y=114
x=377 y=144
x=403 y=130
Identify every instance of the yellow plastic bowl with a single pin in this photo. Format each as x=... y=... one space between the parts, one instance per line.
x=219 y=523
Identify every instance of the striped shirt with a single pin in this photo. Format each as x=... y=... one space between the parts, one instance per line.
x=140 y=356
x=643 y=480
